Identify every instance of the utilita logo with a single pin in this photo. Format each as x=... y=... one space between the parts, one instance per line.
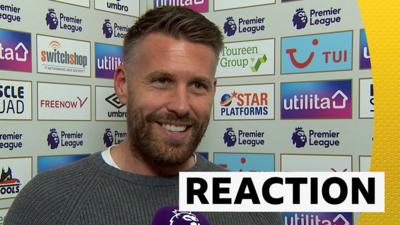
x=64 y=104
x=110 y=139
x=323 y=218
x=10 y=13
x=365 y=59
x=243 y=138
x=313 y=53
x=66 y=139
x=315 y=138
x=325 y=17
x=15 y=51
x=244 y=25
x=114 y=30
x=64 y=22
x=8 y=184
x=114 y=101
x=316 y=100
x=196 y=5
x=108 y=58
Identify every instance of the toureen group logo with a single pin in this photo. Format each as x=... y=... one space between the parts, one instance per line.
x=113 y=138
x=317 y=53
x=247 y=58
x=317 y=100
x=315 y=138
x=365 y=61
x=316 y=17
x=108 y=58
x=15 y=51
x=302 y=218
x=63 y=56
x=15 y=100
x=63 y=22
x=245 y=162
x=115 y=30
x=10 y=13
x=243 y=138
x=66 y=139
x=244 y=102
x=244 y=25
x=196 y=5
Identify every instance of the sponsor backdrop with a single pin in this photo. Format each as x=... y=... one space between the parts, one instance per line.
x=295 y=90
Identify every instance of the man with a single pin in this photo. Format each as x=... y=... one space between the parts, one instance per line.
x=167 y=82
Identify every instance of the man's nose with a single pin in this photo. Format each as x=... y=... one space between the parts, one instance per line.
x=179 y=102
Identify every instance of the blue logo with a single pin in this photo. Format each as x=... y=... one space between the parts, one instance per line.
x=46 y=163
x=300 y=19
x=230 y=26
x=229 y=137
x=52 y=139
x=51 y=19
x=299 y=138
x=108 y=138
x=365 y=61
x=107 y=28
x=183 y=218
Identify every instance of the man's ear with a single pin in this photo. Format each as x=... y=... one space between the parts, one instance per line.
x=120 y=84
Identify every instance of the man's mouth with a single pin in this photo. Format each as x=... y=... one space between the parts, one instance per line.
x=174 y=128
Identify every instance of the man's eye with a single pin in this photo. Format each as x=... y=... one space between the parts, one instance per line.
x=161 y=82
x=199 y=85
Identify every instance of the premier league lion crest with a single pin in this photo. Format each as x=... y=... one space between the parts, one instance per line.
x=51 y=19
x=230 y=27
x=299 y=138
x=184 y=218
x=300 y=19
x=107 y=28
x=53 y=139
x=108 y=138
x=229 y=137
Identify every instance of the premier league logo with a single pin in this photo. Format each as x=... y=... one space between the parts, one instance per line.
x=184 y=218
x=107 y=28
x=299 y=138
x=51 y=19
x=300 y=19
x=108 y=138
x=53 y=139
x=230 y=27
x=229 y=137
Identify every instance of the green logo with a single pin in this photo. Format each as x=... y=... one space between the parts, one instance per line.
x=260 y=60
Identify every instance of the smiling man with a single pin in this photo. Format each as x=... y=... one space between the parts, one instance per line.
x=167 y=82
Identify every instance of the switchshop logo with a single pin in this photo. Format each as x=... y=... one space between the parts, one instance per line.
x=8 y=184
x=109 y=138
x=317 y=17
x=243 y=138
x=66 y=139
x=64 y=22
x=315 y=138
x=244 y=25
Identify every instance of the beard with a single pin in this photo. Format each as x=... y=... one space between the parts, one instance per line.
x=158 y=150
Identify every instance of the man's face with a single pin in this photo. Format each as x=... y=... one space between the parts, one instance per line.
x=170 y=88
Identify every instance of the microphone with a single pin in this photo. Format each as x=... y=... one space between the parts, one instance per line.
x=170 y=215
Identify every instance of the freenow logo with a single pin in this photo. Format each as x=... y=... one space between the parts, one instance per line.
x=15 y=51
x=63 y=102
x=302 y=218
x=316 y=138
x=8 y=184
x=243 y=138
x=245 y=162
x=64 y=22
x=66 y=139
x=244 y=102
x=244 y=25
x=314 y=53
x=114 y=29
x=108 y=58
x=365 y=60
x=196 y=5
x=316 y=100
x=63 y=56
x=10 y=13
x=317 y=17
x=15 y=100
x=113 y=138
x=366 y=98
x=247 y=58
x=10 y=141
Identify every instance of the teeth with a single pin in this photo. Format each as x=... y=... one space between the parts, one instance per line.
x=174 y=128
